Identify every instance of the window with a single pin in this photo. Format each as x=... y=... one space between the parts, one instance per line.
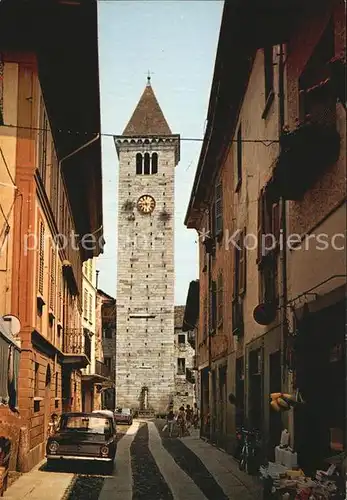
x=36 y=381
x=154 y=163
x=54 y=183
x=220 y=298
x=85 y=304
x=90 y=312
x=108 y=362
x=41 y=257
x=107 y=332
x=181 y=366
x=268 y=227
x=268 y=73
x=218 y=209
x=139 y=161
x=239 y=159
x=90 y=270
x=147 y=164
x=56 y=385
x=43 y=135
x=52 y=288
x=181 y=339
x=239 y=267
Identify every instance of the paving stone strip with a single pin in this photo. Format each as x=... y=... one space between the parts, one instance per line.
x=148 y=482
x=86 y=488
x=193 y=466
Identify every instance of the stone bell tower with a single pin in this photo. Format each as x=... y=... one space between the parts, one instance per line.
x=145 y=361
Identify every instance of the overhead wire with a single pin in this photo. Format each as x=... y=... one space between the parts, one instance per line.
x=265 y=142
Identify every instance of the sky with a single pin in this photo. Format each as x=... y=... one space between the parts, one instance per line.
x=176 y=41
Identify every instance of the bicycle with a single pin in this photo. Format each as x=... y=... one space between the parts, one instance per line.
x=248 y=461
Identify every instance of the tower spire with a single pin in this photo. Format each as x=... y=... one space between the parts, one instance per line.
x=149 y=78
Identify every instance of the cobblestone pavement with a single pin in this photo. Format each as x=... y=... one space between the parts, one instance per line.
x=149 y=466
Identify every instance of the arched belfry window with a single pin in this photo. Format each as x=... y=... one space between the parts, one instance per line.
x=147 y=164
x=154 y=163
x=139 y=160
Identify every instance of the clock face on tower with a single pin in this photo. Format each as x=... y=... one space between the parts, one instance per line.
x=146 y=204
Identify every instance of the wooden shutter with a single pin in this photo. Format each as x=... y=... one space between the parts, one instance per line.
x=41 y=257
x=205 y=319
x=52 y=284
x=242 y=264
x=218 y=207
x=235 y=284
x=220 y=301
x=4 y=359
x=260 y=225
x=213 y=306
x=276 y=221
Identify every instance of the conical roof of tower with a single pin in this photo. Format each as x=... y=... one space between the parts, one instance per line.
x=148 y=118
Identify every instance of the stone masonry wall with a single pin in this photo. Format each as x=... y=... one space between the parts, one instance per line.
x=145 y=346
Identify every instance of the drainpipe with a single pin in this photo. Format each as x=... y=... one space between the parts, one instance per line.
x=283 y=252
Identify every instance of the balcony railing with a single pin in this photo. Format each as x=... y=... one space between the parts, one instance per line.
x=76 y=342
x=102 y=370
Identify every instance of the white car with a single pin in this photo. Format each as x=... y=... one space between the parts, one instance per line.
x=107 y=413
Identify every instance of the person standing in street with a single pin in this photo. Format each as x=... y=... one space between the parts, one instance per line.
x=189 y=417
x=195 y=416
x=181 y=422
x=170 y=419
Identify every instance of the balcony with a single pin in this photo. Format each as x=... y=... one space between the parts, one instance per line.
x=190 y=375
x=102 y=370
x=305 y=153
x=76 y=348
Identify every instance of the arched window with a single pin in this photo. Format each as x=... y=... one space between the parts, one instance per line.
x=154 y=163
x=139 y=164
x=147 y=163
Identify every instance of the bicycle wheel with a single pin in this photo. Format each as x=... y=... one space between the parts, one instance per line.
x=242 y=461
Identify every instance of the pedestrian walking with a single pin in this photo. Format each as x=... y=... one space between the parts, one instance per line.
x=170 y=421
x=189 y=417
x=181 y=422
x=195 y=416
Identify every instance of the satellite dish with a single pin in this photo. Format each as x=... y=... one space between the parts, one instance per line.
x=264 y=314
x=12 y=324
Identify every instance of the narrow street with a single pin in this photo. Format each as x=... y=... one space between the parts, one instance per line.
x=149 y=466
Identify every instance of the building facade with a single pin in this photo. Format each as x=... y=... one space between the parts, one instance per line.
x=184 y=366
x=106 y=334
x=264 y=297
x=148 y=153
x=50 y=216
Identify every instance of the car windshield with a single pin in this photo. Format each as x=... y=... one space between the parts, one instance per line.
x=123 y=411
x=93 y=425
